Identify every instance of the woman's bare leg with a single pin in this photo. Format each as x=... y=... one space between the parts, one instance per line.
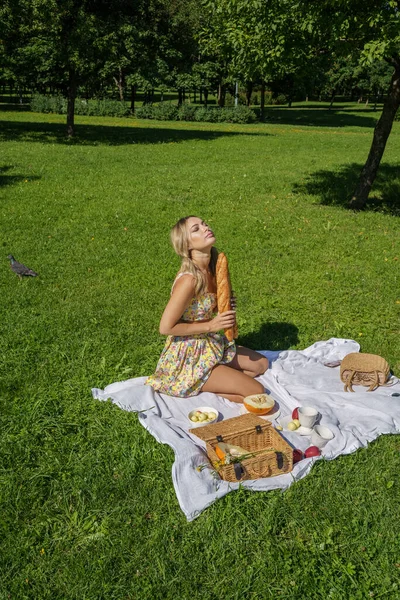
x=250 y=362
x=231 y=383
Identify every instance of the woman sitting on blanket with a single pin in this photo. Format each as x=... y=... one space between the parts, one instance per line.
x=196 y=357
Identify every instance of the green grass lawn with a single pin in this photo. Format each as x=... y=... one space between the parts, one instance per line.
x=87 y=505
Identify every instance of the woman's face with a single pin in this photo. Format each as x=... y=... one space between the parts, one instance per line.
x=200 y=236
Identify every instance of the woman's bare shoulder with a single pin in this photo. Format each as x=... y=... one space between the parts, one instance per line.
x=184 y=282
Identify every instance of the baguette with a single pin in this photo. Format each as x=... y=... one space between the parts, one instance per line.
x=224 y=292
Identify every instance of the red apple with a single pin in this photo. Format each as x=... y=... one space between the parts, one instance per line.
x=297 y=456
x=312 y=451
x=295 y=413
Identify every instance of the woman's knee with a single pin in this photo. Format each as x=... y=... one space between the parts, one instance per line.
x=263 y=365
x=260 y=366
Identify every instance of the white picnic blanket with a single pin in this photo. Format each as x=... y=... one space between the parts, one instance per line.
x=295 y=378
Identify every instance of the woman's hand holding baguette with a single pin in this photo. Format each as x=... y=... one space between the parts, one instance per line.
x=223 y=320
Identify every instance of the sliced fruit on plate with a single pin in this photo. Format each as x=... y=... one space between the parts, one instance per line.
x=259 y=404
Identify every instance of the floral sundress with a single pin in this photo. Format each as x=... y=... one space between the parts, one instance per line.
x=186 y=362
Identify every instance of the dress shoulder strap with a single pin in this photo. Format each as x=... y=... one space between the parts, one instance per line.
x=179 y=276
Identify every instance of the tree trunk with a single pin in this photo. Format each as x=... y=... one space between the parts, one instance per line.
x=249 y=91
x=205 y=97
x=381 y=134
x=120 y=84
x=133 y=97
x=262 y=107
x=376 y=101
x=71 y=95
x=201 y=96
x=221 y=94
x=332 y=99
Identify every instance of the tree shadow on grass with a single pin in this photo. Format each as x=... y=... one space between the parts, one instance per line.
x=6 y=179
x=335 y=188
x=271 y=336
x=321 y=116
x=107 y=134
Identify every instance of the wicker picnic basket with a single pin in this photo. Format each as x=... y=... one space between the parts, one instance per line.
x=358 y=368
x=270 y=453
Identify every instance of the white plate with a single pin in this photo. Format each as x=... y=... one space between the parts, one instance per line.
x=284 y=422
x=270 y=416
x=206 y=409
x=304 y=430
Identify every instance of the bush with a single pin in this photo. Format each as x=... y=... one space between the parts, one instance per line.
x=165 y=112
x=280 y=99
x=48 y=104
x=209 y=115
x=240 y=114
x=107 y=108
x=145 y=112
x=98 y=108
x=187 y=112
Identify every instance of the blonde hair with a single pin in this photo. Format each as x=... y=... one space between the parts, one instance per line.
x=180 y=243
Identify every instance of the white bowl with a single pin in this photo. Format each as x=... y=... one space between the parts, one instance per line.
x=203 y=409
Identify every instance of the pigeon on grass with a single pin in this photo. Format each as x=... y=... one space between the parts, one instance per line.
x=19 y=268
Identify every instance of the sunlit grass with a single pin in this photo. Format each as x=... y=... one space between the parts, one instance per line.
x=88 y=508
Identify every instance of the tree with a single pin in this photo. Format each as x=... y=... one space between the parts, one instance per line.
x=68 y=43
x=259 y=41
x=57 y=40
x=372 y=29
x=373 y=79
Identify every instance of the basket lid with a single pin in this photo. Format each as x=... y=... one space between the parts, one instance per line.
x=242 y=424
x=361 y=361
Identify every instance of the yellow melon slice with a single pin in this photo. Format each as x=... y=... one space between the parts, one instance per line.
x=259 y=404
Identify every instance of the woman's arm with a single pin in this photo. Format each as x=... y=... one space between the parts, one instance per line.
x=181 y=297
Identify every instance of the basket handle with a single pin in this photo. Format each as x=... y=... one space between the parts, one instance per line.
x=239 y=471
x=375 y=383
x=279 y=460
x=349 y=381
